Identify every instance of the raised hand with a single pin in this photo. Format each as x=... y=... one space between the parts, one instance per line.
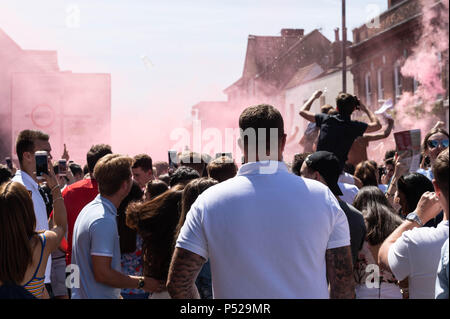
x=65 y=154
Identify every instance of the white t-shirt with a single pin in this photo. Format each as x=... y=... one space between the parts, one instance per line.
x=40 y=210
x=266 y=234
x=416 y=255
x=349 y=192
x=346 y=178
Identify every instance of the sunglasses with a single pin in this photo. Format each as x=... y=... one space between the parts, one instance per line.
x=435 y=143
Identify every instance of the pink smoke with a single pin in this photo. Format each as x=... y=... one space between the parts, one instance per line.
x=414 y=111
x=424 y=66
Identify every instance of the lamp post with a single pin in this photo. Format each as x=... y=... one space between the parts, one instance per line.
x=344 y=51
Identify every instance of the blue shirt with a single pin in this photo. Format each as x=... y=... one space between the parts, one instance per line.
x=95 y=234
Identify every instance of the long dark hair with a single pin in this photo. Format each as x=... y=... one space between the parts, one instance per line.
x=155 y=221
x=17 y=227
x=190 y=193
x=127 y=235
x=413 y=186
x=379 y=216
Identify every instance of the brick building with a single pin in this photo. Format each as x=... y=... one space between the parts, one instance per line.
x=273 y=64
x=379 y=52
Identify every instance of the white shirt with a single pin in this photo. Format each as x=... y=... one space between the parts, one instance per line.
x=349 y=192
x=40 y=210
x=266 y=235
x=346 y=178
x=416 y=255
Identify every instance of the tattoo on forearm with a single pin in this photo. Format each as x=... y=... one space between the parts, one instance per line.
x=340 y=273
x=183 y=271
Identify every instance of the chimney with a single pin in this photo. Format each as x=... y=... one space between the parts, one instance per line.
x=292 y=32
x=336 y=35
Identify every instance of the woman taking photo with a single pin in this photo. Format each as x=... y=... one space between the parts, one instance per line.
x=24 y=251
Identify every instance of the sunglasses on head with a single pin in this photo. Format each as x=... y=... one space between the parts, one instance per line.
x=435 y=143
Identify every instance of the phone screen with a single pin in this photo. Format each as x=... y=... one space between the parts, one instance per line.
x=9 y=163
x=41 y=164
x=62 y=167
x=172 y=158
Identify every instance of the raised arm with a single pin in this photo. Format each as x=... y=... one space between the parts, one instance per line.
x=427 y=208
x=58 y=221
x=380 y=136
x=183 y=271
x=340 y=273
x=305 y=111
x=374 y=124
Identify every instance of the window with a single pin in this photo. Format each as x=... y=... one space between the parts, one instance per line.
x=368 y=90
x=398 y=80
x=380 y=84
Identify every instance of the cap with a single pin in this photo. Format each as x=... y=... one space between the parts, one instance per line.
x=328 y=166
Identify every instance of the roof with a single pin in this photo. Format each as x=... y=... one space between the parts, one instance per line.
x=277 y=59
x=47 y=60
x=305 y=74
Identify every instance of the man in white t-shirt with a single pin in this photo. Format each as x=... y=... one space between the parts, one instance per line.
x=266 y=232
x=28 y=142
x=414 y=251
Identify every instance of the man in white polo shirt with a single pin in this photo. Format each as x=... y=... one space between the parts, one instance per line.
x=414 y=251
x=266 y=232
x=28 y=142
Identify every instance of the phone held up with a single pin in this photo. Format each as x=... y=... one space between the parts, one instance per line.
x=62 y=167
x=9 y=163
x=41 y=164
x=172 y=160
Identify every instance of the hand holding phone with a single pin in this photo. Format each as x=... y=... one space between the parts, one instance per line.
x=41 y=164
x=62 y=167
x=9 y=163
x=172 y=160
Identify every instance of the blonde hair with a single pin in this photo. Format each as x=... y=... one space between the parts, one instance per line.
x=111 y=171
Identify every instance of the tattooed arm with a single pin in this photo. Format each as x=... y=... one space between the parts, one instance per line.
x=183 y=271
x=340 y=273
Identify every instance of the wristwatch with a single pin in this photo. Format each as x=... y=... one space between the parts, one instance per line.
x=141 y=283
x=414 y=218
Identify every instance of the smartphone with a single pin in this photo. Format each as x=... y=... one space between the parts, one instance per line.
x=41 y=164
x=9 y=163
x=62 y=167
x=172 y=158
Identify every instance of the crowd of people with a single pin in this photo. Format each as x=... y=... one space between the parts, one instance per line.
x=331 y=223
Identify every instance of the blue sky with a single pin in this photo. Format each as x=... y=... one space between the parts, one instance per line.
x=196 y=48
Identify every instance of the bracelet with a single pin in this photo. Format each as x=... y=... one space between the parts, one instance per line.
x=55 y=187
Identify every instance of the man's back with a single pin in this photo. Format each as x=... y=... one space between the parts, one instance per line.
x=337 y=134
x=76 y=196
x=357 y=228
x=266 y=234
x=416 y=255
